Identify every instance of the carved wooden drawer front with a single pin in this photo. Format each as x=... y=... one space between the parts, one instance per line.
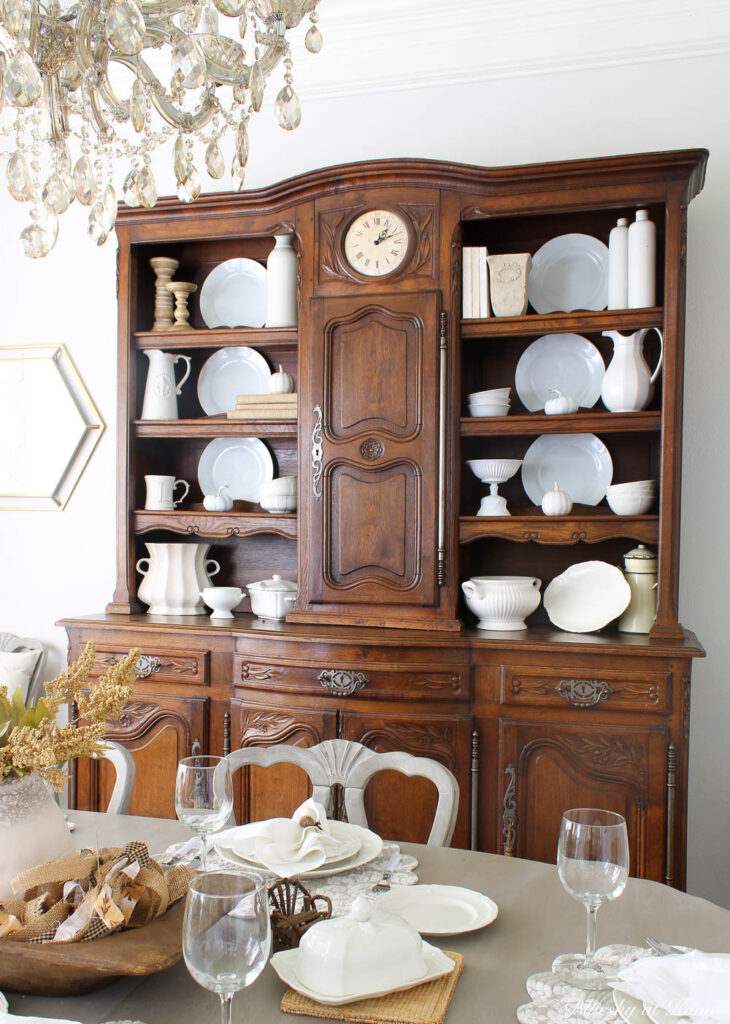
x=587 y=689
x=345 y=680
x=157 y=666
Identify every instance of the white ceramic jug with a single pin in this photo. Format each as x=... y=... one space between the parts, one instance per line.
x=174 y=576
x=629 y=384
x=281 y=266
x=161 y=389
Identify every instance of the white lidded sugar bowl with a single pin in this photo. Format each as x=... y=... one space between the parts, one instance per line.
x=502 y=602
x=272 y=599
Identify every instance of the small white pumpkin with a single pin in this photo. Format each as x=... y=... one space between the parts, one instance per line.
x=281 y=383
x=561 y=405
x=218 y=502
x=556 y=502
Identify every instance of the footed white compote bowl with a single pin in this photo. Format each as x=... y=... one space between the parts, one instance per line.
x=494 y=472
x=222 y=600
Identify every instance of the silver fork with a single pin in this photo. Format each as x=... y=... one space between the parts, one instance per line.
x=662 y=948
x=384 y=884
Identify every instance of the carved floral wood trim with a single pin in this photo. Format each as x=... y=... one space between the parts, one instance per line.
x=168 y=665
x=436 y=684
x=263 y=728
x=333 y=224
x=139 y=717
x=423 y=739
x=594 y=753
x=250 y=670
x=586 y=692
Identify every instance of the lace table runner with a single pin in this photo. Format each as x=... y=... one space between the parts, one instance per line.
x=341 y=888
x=556 y=1002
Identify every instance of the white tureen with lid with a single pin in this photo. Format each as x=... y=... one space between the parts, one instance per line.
x=272 y=599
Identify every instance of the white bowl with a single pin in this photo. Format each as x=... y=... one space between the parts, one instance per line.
x=634 y=487
x=222 y=600
x=278 y=502
x=494 y=471
x=489 y=409
x=630 y=504
x=492 y=393
x=281 y=485
x=502 y=602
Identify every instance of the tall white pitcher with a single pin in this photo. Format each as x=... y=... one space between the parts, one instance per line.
x=629 y=384
x=161 y=389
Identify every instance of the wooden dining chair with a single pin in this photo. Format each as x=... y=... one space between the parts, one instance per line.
x=352 y=765
x=125 y=769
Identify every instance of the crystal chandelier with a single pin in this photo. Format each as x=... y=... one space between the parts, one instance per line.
x=87 y=84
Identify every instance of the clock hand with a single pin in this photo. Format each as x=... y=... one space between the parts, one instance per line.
x=382 y=236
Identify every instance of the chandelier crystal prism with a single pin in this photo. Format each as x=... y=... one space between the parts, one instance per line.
x=90 y=85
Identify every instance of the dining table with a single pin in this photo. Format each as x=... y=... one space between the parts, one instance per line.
x=537 y=920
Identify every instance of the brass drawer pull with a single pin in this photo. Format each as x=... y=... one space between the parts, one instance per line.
x=342 y=683
x=147 y=665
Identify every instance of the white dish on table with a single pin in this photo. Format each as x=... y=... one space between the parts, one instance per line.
x=569 y=272
x=370 y=848
x=285 y=965
x=230 y=372
x=568 y=363
x=440 y=909
x=659 y=1016
x=241 y=464
x=587 y=596
x=579 y=463
x=234 y=294
x=632 y=1010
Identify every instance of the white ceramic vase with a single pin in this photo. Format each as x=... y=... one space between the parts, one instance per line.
x=642 y=261
x=33 y=829
x=174 y=576
x=281 y=266
x=161 y=389
x=628 y=384
x=502 y=602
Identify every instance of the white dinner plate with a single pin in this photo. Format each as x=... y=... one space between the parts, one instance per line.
x=587 y=596
x=568 y=363
x=579 y=463
x=370 y=848
x=350 y=841
x=234 y=294
x=569 y=272
x=440 y=909
x=228 y=373
x=242 y=463
x=660 y=1016
x=632 y=1010
x=285 y=965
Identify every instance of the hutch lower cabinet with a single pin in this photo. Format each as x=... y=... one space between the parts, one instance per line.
x=379 y=646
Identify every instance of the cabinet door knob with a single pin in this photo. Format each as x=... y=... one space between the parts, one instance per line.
x=341 y=682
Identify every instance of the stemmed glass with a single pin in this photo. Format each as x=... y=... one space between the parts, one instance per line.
x=226 y=932
x=203 y=796
x=593 y=866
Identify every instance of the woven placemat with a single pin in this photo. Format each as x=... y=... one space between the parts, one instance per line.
x=424 y=1004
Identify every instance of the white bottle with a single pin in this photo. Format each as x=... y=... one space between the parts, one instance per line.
x=642 y=261
x=281 y=306
x=618 y=265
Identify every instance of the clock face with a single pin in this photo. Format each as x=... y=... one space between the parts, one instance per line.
x=376 y=243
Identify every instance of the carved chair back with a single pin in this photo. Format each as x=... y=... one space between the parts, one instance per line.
x=12 y=643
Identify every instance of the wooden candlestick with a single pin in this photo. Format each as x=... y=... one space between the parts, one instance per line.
x=181 y=290
x=164 y=267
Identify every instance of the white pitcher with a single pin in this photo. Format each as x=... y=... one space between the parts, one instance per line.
x=174 y=576
x=161 y=389
x=629 y=384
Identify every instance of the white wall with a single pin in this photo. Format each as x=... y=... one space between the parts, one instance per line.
x=58 y=564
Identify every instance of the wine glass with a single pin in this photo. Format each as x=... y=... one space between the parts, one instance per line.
x=226 y=932
x=203 y=796
x=593 y=866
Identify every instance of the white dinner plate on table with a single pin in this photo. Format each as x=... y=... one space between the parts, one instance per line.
x=587 y=596
x=632 y=1010
x=370 y=848
x=580 y=464
x=240 y=463
x=440 y=909
x=285 y=965
x=569 y=272
x=659 y=1016
x=230 y=372
x=234 y=294
x=568 y=363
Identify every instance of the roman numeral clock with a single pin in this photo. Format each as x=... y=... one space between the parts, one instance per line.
x=377 y=243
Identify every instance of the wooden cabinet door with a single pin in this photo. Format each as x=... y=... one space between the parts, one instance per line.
x=277 y=791
x=399 y=807
x=547 y=768
x=372 y=513
x=159 y=731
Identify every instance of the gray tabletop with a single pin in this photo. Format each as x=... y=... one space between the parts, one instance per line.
x=537 y=920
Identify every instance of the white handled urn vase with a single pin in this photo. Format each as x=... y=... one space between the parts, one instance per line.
x=502 y=602
x=628 y=385
x=161 y=389
x=174 y=576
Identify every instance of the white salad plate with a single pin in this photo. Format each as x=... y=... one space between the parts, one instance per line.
x=285 y=965
x=228 y=373
x=440 y=909
x=234 y=294
x=580 y=464
x=569 y=272
x=241 y=463
x=350 y=842
x=632 y=1010
x=587 y=596
x=370 y=847
x=567 y=363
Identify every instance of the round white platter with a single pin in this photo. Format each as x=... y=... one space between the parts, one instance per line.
x=230 y=372
x=234 y=294
x=568 y=363
x=440 y=909
x=569 y=272
x=587 y=596
x=580 y=464
x=242 y=463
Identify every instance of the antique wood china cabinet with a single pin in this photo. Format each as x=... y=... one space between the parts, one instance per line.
x=379 y=647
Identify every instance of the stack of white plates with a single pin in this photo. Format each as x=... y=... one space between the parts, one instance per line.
x=494 y=402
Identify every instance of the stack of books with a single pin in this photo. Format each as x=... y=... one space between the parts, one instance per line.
x=264 y=407
x=475 y=284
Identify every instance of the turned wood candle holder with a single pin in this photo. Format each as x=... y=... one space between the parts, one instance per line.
x=164 y=267
x=182 y=290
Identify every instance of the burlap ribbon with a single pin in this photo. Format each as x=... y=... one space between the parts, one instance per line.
x=88 y=893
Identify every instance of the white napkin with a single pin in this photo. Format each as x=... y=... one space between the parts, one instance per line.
x=289 y=846
x=694 y=985
x=10 y=1018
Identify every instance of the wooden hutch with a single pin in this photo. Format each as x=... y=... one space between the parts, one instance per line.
x=380 y=647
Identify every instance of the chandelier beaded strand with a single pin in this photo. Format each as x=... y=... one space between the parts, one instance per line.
x=81 y=92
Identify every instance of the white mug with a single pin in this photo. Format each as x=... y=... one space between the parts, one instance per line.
x=160 y=491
